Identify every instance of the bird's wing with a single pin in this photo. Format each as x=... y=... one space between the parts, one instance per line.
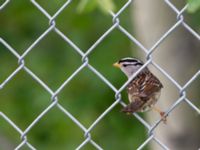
x=144 y=85
x=152 y=85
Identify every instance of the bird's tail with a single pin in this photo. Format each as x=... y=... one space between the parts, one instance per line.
x=128 y=109
x=133 y=106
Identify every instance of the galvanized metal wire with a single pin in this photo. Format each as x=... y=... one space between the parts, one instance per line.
x=85 y=63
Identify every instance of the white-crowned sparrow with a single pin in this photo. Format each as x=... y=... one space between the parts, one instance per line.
x=144 y=90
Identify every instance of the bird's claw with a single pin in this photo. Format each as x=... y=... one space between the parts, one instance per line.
x=164 y=118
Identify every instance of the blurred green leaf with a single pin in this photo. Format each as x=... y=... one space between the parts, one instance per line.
x=193 y=5
x=89 y=5
x=106 y=5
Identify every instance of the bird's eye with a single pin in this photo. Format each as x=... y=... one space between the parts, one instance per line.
x=124 y=65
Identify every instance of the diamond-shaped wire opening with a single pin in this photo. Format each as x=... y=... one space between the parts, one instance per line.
x=24 y=93
x=62 y=58
x=78 y=101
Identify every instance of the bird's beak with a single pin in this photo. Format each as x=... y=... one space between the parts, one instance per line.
x=117 y=65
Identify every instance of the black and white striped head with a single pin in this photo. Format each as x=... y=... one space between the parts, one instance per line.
x=129 y=65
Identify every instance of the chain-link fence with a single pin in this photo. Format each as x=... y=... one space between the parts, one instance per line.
x=85 y=63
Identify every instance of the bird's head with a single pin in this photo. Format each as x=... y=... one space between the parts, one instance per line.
x=129 y=65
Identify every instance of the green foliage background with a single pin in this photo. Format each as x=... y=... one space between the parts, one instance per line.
x=53 y=61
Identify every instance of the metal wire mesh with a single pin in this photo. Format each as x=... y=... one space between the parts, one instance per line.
x=85 y=63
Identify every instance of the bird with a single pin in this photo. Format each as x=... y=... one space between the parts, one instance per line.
x=144 y=90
